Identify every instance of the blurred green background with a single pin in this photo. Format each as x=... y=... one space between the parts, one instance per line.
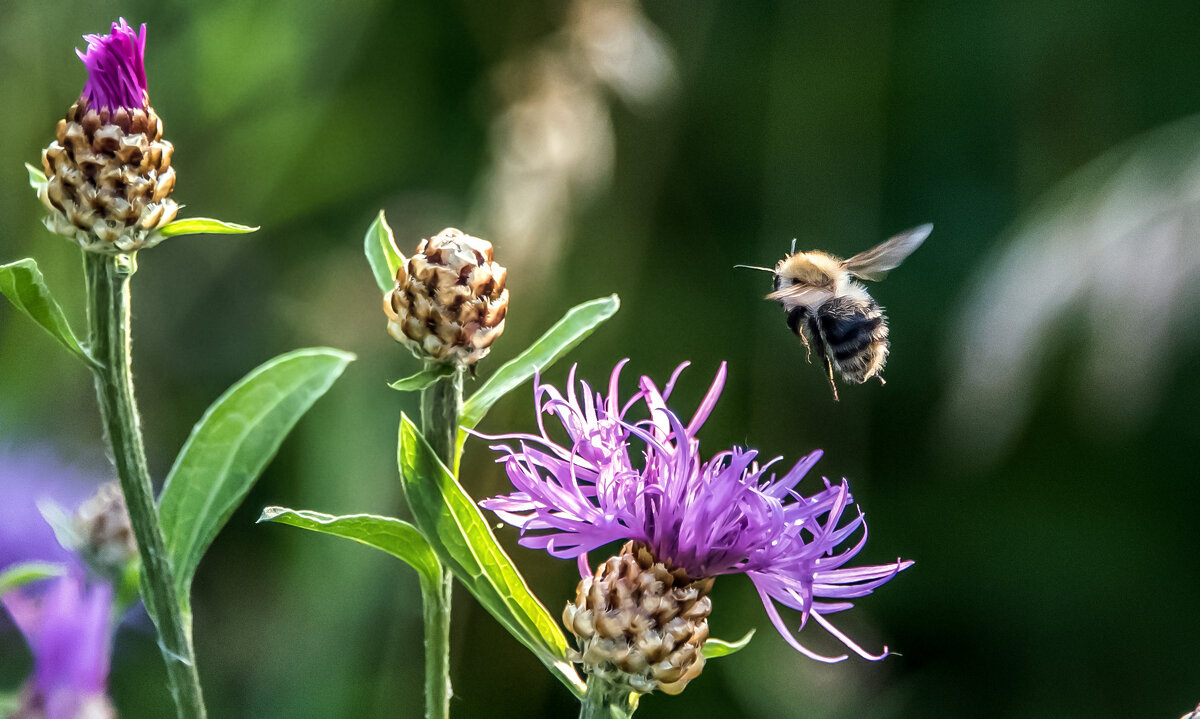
x=1033 y=449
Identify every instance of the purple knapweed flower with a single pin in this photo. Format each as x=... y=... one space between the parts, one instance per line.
x=68 y=627
x=116 y=69
x=688 y=520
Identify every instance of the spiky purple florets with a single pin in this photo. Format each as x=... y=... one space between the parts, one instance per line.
x=68 y=629
x=726 y=515
x=116 y=69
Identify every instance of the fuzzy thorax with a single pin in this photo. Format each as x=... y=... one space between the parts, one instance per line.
x=639 y=623
x=450 y=301
x=109 y=178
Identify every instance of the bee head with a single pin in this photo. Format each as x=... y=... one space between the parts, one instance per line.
x=812 y=269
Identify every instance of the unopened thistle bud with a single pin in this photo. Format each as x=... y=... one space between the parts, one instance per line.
x=449 y=302
x=108 y=171
x=105 y=534
x=639 y=623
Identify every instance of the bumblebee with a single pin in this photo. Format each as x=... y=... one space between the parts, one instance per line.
x=831 y=312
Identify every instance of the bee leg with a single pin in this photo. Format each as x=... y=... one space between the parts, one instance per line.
x=795 y=320
x=818 y=338
x=829 y=374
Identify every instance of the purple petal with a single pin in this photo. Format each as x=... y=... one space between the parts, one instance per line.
x=116 y=69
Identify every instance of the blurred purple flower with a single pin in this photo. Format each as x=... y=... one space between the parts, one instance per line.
x=69 y=631
x=723 y=516
x=116 y=69
x=27 y=478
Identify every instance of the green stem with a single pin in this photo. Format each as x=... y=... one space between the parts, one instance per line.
x=435 y=605
x=109 y=322
x=607 y=701
x=440 y=406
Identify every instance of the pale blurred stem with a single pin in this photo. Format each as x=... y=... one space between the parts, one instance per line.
x=606 y=701
x=109 y=323
x=440 y=405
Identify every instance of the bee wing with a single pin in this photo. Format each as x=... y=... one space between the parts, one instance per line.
x=875 y=262
x=800 y=296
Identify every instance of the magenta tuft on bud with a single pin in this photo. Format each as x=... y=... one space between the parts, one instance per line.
x=116 y=69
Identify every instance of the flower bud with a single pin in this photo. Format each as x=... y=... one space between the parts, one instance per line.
x=449 y=302
x=105 y=534
x=639 y=623
x=108 y=171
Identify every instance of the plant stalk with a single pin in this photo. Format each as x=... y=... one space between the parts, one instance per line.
x=607 y=701
x=441 y=403
x=109 y=323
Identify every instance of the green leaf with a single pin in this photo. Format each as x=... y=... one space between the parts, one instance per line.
x=62 y=523
x=462 y=539
x=18 y=575
x=380 y=249
x=424 y=378
x=394 y=536
x=714 y=648
x=128 y=586
x=9 y=703
x=578 y=323
x=202 y=226
x=36 y=177
x=22 y=283
x=231 y=445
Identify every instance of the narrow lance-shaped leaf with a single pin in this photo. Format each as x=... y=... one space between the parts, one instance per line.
x=577 y=324
x=203 y=226
x=380 y=248
x=231 y=445
x=424 y=378
x=394 y=536
x=714 y=647
x=18 y=575
x=464 y=542
x=22 y=283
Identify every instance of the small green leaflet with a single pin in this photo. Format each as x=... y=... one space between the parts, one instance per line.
x=203 y=226
x=229 y=448
x=424 y=378
x=36 y=177
x=380 y=248
x=22 y=283
x=394 y=536
x=462 y=539
x=18 y=575
x=714 y=648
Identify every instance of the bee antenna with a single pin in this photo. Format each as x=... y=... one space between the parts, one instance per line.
x=754 y=267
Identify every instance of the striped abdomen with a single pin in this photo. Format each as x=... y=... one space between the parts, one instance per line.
x=855 y=335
